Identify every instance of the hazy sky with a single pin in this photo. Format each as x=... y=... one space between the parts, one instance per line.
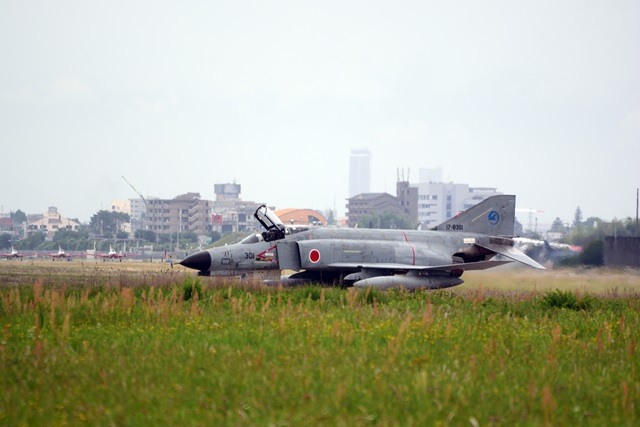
x=540 y=99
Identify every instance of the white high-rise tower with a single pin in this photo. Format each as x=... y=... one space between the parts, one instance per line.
x=359 y=172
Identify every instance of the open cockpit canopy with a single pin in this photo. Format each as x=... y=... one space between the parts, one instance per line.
x=270 y=221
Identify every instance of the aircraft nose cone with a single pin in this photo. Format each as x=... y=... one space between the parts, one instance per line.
x=198 y=261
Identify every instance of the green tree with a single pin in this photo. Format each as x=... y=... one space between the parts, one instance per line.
x=32 y=242
x=18 y=217
x=164 y=238
x=215 y=236
x=597 y=229
x=148 y=235
x=122 y=235
x=5 y=240
x=592 y=222
x=592 y=255
x=558 y=226
x=518 y=229
x=188 y=237
x=71 y=240
x=108 y=223
x=386 y=220
x=631 y=226
x=331 y=219
x=577 y=217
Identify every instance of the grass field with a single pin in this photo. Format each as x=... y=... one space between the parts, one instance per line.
x=146 y=344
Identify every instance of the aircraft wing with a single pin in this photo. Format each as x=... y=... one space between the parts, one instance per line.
x=117 y=256
x=64 y=255
x=511 y=253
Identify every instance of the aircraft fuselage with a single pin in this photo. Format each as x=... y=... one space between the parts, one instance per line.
x=344 y=250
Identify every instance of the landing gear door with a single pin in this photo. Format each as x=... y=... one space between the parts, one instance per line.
x=271 y=222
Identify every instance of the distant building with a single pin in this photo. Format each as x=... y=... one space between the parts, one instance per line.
x=50 y=222
x=430 y=203
x=123 y=206
x=368 y=203
x=135 y=208
x=359 y=172
x=138 y=213
x=227 y=192
x=186 y=212
x=438 y=202
x=230 y=213
x=408 y=198
x=294 y=216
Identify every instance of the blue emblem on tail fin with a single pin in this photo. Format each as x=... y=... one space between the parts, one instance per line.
x=493 y=217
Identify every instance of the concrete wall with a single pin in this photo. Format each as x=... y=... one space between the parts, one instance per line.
x=622 y=251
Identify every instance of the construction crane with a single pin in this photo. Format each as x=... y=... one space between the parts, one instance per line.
x=134 y=189
x=143 y=201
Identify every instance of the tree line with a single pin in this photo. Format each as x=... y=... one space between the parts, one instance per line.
x=104 y=229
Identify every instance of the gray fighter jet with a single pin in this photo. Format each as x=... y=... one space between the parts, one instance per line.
x=476 y=239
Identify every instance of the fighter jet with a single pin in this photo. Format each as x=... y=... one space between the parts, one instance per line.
x=13 y=254
x=61 y=254
x=113 y=255
x=476 y=239
x=546 y=251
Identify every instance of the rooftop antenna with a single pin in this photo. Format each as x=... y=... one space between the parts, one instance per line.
x=531 y=212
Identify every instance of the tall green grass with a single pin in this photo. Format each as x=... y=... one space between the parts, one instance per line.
x=231 y=354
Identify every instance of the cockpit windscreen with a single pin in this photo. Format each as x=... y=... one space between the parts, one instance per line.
x=251 y=238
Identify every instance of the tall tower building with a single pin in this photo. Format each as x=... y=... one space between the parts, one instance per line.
x=359 y=172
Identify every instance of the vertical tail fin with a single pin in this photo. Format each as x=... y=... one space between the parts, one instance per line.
x=494 y=216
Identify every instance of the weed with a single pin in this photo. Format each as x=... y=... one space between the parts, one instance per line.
x=567 y=299
x=128 y=350
x=191 y=287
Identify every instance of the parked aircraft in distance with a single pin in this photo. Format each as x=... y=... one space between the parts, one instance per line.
x=13 y=254
x=476 y=239
x=113 y=254
x=62 y=255
x=545 y=251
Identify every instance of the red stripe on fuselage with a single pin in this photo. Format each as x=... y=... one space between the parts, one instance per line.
x=413 y=251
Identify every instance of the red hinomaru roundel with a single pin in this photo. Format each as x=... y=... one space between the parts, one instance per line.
x=314 y=255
